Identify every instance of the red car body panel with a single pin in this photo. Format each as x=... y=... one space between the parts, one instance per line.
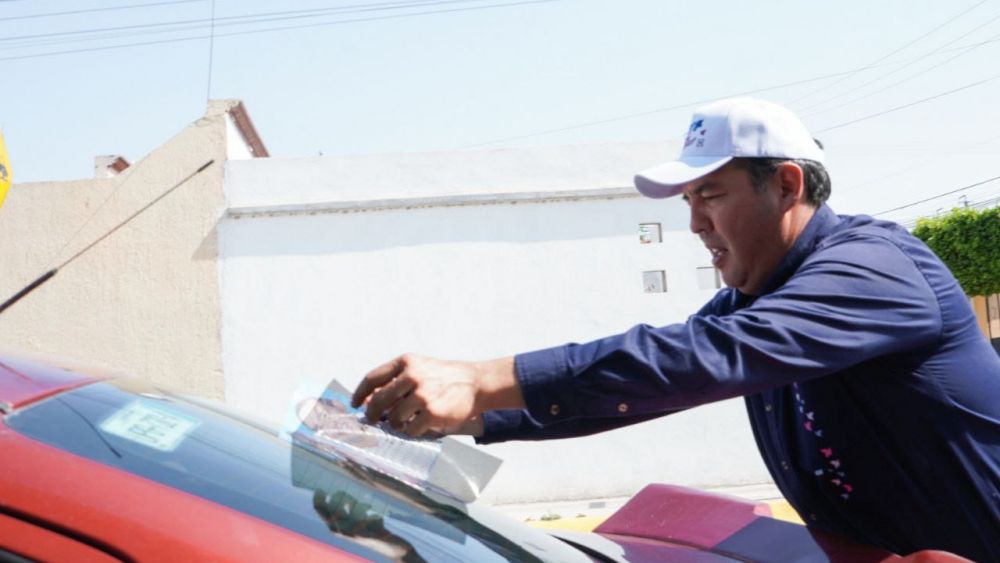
x=116 y=515
x=23 y=383
x=724 y=526
x=41 y=544
x=729 y=529
x=133 y=518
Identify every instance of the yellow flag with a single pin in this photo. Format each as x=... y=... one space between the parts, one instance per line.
x=6 y=178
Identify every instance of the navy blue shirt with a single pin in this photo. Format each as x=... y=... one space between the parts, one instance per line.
x=873 y=396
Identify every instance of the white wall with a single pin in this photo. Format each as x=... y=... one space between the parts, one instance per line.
x=317 y=291
x=145 y=300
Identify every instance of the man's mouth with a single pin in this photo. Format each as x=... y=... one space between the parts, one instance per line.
x=717 y=254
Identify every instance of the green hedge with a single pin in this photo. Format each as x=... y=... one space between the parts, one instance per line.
x=968 y=242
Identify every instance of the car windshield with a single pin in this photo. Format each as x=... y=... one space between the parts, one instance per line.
x=203 y=450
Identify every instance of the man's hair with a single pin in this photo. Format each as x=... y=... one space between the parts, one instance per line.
x=815 y=176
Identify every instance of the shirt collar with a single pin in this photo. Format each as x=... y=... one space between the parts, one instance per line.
x=820 y=225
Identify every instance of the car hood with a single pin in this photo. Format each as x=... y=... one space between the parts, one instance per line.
x=23 y=382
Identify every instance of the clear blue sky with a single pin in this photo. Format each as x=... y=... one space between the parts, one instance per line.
x=380 y=76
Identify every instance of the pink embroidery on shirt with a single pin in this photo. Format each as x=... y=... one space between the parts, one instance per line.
x=843 y=488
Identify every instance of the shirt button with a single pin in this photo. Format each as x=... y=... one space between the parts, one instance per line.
x=622 y=408
x=813 y=517
x=784 y=465
x=554 y=410
x=768 y=407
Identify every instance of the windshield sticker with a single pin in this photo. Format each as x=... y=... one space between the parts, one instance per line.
x=151 y=426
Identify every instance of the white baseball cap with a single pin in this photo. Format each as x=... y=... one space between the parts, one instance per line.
x=727 y=129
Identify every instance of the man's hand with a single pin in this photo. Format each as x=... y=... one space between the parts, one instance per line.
x=420 y=395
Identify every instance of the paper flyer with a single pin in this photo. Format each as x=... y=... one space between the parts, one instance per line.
x=324 y=420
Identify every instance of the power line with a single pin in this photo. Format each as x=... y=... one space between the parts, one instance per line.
x=707 y=100
x=396 y=16
x=911 y=104
x=664 y=109
x=912 y=61
x=244 y=19
x=550 y=131
x=988 y=203
x=211 y=48
x=920 y=162
x=893 y=52
x=649 y=112
x=272 y=29
x=91 y=10
x=898 y=82
x=910 y=221
x=963 y=188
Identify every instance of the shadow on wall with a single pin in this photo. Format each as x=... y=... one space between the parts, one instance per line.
x=208 y=248
x=332 y=233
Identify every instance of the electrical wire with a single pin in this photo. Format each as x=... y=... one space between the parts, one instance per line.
x=911 y=62
x=273 y=29
x=898 y=82
x=664 y=109
x=120 y=35
x=893 y=52
x=99 y=34
x=911 y=104
x=243 y=19
x=989 y=203
x=913 y=165
x=211 y=49
x=950 y=192
x=91 y=10
x=647 y=112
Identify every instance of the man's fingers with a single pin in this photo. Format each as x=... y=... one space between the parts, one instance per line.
x=404 y=411
x=376 y=378
x=419 y=425
x=387 y=396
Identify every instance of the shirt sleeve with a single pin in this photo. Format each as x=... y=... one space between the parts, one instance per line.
x=502 y=425
x=857 y=298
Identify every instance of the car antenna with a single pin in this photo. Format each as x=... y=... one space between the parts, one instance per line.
x=48 y=275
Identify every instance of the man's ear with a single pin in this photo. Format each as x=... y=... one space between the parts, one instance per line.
x=791 y=183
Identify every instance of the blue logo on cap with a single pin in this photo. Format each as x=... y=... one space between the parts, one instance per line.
x=696 y=134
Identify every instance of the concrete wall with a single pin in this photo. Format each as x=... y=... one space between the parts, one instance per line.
x=146 y=300
x=332 y=265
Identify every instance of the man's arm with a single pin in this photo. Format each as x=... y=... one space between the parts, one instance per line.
x=852 y=302
x=503 y=425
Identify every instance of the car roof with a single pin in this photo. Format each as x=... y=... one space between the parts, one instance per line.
x=23 y=382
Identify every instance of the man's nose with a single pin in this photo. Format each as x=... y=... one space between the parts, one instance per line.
x=699 y=222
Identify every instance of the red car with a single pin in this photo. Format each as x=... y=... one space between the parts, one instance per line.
x=116 y=469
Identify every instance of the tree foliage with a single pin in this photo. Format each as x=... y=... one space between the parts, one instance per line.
x=968 y=242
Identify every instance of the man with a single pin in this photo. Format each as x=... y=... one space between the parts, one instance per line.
x=873 y=397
